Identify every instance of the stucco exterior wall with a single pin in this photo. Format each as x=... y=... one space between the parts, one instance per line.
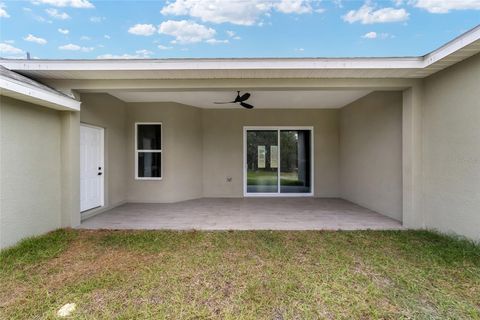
x=30 y=169
x=451 y=149
x=371 y=153
x=70 y=154
x=223 y=146
x=202 y=147
x=108 y=112
x=182 y=153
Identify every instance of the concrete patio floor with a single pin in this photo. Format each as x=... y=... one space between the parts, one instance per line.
x=243 y=214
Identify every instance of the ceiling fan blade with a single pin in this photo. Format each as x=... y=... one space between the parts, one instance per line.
x=246 y=105
x=239 y=99
x=224 y=102
x=243 y=97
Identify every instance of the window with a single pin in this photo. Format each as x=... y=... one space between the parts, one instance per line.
x=148 y=151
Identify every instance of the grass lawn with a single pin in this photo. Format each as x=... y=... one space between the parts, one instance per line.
x=246 y=275
x=269 y=178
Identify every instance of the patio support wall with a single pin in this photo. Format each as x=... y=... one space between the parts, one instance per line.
x=451 y=149
x=412 y=156
x=70 y=158
x=371 y=152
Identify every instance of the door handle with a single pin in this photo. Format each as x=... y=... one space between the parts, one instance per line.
x=99 y=173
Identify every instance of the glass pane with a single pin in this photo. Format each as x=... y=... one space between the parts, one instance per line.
x=149 y=137
x=295 y=166
x=149 y=164
x=262 y=161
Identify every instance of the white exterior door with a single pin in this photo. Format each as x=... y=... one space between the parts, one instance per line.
x=91 y=167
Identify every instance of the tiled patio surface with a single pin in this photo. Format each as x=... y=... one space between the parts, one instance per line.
x=243 y=214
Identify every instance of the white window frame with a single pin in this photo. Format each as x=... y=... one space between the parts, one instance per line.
x=278 y=129
x=137 y=151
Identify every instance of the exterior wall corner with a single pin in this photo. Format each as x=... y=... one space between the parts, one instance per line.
x=70 y=168
x=412 y=156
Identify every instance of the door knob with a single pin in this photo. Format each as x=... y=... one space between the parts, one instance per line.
x=99 y=173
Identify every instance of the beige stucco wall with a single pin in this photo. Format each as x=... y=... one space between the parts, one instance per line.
x=451 y=149
x=202 y=147
x=182 y=153
x=371 y=153
x=70 y=155
x=108 y=112
x=30 y=168
x=223 y=146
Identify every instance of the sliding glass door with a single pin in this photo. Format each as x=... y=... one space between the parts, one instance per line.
x=295 y=161
x=278 y=161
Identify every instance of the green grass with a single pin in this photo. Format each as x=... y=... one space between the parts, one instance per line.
x=35 y=250
x=269 y=178
x=242 y=275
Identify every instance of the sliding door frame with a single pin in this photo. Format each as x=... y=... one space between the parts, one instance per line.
x=278 y=193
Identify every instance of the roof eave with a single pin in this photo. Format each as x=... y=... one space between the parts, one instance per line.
x=28 y=93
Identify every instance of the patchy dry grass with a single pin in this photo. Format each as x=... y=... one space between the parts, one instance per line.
x=247 y=275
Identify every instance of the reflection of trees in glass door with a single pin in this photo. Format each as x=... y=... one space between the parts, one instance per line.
x=262 y=172
x=278 y=161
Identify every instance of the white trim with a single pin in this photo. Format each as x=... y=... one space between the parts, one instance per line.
x=151 y=151
x=19 y=90
x=102 y=161
x=278 y=193
x=102 y=165
x=214 y=64
x=452 y=46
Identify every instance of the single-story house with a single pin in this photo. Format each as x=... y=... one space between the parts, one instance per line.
x=399 y=136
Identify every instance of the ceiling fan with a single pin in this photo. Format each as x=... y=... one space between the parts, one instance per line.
x=240 y=99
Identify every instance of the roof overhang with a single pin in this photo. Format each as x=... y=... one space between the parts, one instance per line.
x=36 y=93
x=464 y=46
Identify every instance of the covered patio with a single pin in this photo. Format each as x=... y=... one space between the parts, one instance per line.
x=316 y=159
x=244 y=214
x=340 y=152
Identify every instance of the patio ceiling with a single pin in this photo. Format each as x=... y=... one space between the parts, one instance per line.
x=301 y=99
